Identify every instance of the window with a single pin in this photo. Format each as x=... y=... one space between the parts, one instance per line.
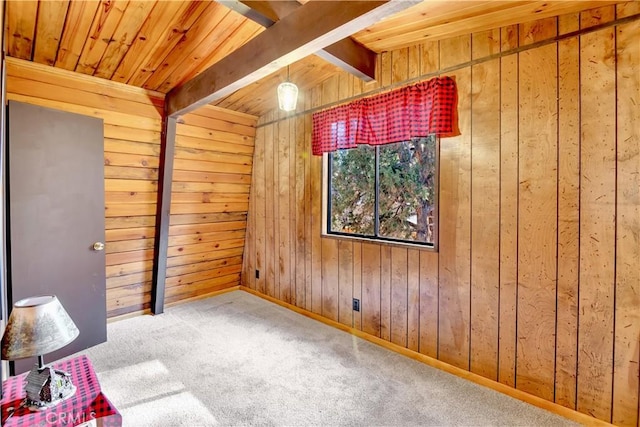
x=380 y=190
x=386 y=192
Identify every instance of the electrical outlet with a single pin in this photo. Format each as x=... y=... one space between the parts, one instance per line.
x=257 y=274
x=356 y=304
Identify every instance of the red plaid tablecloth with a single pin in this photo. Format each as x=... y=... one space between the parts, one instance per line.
x=87 y=404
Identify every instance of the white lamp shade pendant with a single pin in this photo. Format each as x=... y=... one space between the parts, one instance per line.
x=287 y=96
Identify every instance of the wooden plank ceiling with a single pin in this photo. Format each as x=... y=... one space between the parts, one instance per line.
x=160 y=45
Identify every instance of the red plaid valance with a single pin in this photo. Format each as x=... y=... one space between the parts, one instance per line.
x=409 y=112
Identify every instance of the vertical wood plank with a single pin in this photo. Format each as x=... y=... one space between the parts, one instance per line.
x=568 y=219
x=597 y=16
x=330 y=89
x=386 y=71
x=284 y=220
x=275 y=186
x=537 y=222
x=345 y=282
x=597 y=224
x=371 y=289
x=485 y=43
x=345 y=88
x=485 y=213
x=357 y=283
x=508 y=219
x=413 y=299
x=345 y=248
x=248 y=258
x=455 y=220
x=455 y=51
x=385 y=293
x=316 y=241
x=315 y=178
x=260 y=207
x=293 y=225
x=627 y=309
x=626 y=9
x=399 y=292
x=414 y=61
x=356 y=86
x=509 y=37
x=308 y=225
x=429 y=57
x=568 y=23
x=270 y=218
x=300 y=213
x=291 y=214
x=429 y=303
x=535 y=31
x=330 y=292
x=250 y=247
x=399 y=65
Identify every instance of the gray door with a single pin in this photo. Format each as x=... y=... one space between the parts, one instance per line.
x=55 y=215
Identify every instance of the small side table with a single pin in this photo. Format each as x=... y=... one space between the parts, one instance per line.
x=88 y=406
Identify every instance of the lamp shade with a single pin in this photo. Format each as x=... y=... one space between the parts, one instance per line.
x=37 y=326
x=287 y=96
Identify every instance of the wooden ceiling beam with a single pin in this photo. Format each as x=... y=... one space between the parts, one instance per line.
x=306 y=30
x=263 y=17
x=273 y=9
x=352 y=57
x=347 y=54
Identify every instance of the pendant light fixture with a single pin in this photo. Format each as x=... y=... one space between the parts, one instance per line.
x=287 y=94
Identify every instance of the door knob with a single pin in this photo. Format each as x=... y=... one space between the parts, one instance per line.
x=98 y=246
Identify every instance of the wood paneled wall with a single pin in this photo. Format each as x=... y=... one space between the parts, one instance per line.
x=210 y=199
x=210 y=190
x=132 y=125
x=536 y=283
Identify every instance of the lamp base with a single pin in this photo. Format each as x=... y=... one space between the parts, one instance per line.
x=47 y=387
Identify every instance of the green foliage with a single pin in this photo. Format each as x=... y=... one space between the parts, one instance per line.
x=353 y=190
x=406 y=185
x=407 y=172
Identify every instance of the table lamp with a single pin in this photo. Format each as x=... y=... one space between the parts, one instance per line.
x=37 y=326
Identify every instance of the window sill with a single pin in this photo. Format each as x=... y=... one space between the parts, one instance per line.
x=407 y=245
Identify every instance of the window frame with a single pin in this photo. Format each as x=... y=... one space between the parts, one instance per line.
x=326 y=217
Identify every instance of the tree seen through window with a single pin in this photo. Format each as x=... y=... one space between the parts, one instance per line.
x=385 y=192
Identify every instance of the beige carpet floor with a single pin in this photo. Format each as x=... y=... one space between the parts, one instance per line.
x=238 y=360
